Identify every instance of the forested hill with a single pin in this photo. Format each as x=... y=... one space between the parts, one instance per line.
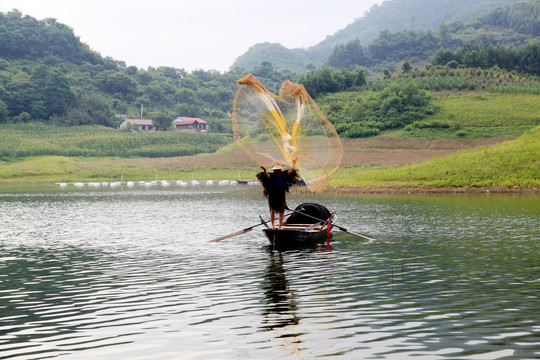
x=397 y=15
x=513 y=26
x=31 y=39
x=48 y=75
x=391 y=15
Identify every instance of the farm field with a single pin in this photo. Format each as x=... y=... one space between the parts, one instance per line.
x=477 y=115
x=35 y=139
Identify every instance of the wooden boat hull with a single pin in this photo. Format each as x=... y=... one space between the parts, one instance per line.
x=295 y=237
x=306 y=226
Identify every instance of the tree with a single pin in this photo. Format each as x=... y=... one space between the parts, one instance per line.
x=191 y=110
x=3 y=112
x=452 y=64
x=130 y=127
x=184 y=95
x=53 y=90
x=348 y=56
x=4 y=64
x=501 y=56
x=90 y=109
x=319 y=81
x=445 y=34
x=529 y=59
x=442 y=57
x=406 y=67
x=116 y=82
x=161 y=121
x=23 y=95
x=154 y=92
x=97 y=109
x=264 y=70
x=474 y=59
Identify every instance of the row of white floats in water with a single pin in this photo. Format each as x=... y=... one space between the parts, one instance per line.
x=163 y=183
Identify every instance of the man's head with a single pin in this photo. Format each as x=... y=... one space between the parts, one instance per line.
x=277 y=169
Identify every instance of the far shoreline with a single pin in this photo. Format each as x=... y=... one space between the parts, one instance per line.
x=367 y=168
x=360 y=189
x=381 y=189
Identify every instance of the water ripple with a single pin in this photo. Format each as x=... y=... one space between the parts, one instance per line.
x=130 y=274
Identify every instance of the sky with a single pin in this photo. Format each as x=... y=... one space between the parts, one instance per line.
x=193 y=34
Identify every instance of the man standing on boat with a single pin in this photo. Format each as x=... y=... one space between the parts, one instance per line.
x=275 y=186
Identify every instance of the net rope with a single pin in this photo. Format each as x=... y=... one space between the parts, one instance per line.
x=277 y=129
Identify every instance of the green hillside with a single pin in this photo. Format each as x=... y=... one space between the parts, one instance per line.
x=440 y=102
x=48 y=75
x=473 y=116
x=398 y=15
x=393 y=16
x=501 y=34
x=296 y=59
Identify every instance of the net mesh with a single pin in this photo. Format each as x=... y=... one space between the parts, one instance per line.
x=276 y=129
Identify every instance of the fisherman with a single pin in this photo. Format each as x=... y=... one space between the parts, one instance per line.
x=275 y=186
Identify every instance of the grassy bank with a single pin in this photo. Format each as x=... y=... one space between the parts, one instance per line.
x=508 y=164
x=51 y=169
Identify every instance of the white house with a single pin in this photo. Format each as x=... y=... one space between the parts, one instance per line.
x=143 y=124
x=191 y=124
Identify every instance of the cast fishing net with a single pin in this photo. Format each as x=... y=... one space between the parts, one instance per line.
x=276 y=129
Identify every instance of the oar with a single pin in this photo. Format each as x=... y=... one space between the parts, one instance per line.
x=263 y=222
x=236 y=233
x=339 y=227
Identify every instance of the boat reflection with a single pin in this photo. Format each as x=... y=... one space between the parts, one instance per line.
x=280 y=303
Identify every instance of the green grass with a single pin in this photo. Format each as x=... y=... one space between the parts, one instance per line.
x=490 y=110
x=512 y=163
x=51 y=169
x=476 y=116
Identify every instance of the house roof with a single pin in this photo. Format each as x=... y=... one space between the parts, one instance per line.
x=139 y=121
x=188 y=121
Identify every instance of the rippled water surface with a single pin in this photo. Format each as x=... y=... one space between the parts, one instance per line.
x=130 y=274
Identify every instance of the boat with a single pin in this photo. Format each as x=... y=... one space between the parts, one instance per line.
x=307 y=225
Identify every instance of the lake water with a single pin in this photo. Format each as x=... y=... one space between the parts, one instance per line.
x=130 y=274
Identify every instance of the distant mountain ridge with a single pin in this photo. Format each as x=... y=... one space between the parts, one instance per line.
x=391 y=15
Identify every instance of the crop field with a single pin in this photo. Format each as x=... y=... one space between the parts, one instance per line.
x=495 y=81
x=35 y=139
x=477 y=115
